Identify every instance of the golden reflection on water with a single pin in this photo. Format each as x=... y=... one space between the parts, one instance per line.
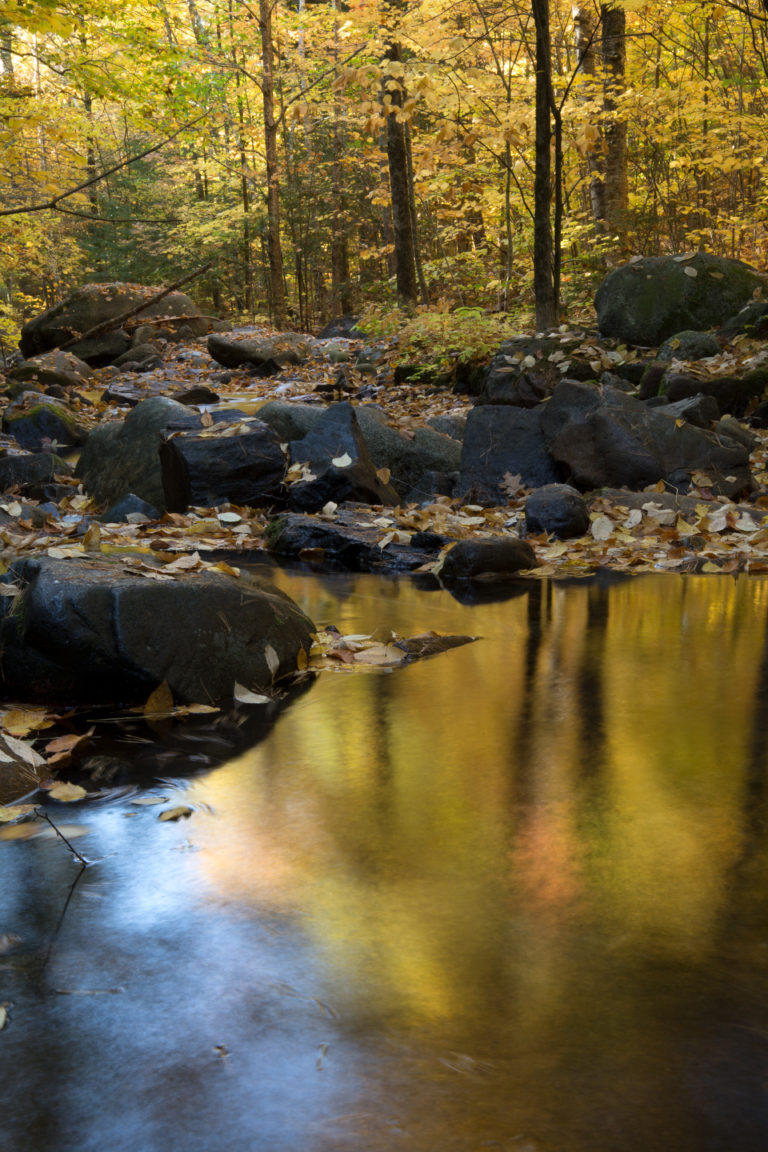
x=492 y=838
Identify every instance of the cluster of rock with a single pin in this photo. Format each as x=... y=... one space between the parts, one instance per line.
x=548 y=416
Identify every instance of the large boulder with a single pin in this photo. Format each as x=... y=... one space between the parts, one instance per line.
x=238 y=462
x=649 y=300
x=91 y=631
x=58 y=370
x=335 y=465
x=95 y=304
x=123 y=456
x=502 y=442
x=268 y=354
x=605 y=438
x=413 y=463
x=37 y=422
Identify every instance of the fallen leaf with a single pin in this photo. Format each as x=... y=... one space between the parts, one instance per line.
x=3 y=1016
x=13 y=812
x=229 y=517
x=21 y=750
x=342 y=461
x=92 y=538
x=244 y=695
x=149 y=801
x=66 y=793
x=182 y=812
x=272 y=659
x=19 y=722
x=383 y=475
x=159 y=702
x=602 y=528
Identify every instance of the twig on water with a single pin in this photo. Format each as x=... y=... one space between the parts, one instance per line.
x=60 y=834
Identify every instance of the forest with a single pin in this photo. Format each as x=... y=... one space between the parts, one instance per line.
x=320 y=157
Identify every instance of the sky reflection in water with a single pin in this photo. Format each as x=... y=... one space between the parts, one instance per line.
x=511 y=897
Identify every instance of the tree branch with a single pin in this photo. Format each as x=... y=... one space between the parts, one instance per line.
x=52 y=205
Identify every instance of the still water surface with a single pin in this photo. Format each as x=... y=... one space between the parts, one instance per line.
x=511 y=898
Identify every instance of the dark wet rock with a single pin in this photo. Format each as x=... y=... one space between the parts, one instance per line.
x=37 y=421
x=344 y=326
x=411 y=462
x=290 y=421
x=752 y=320
x=130 y=509
x=123 y=456
x=511 y=382
x=758 y=417
x=350 y=540
x=603 y=437
x=271 y=353
x=195 y=395
x=91 y=631
x=649 y=300
x=652 y=378
x=698 y=409
x=431 y=484
x=490 y=558
x=139 y=358
x=557 y=509
x=453 y=426
x=237 y=462
x=336 y=457
x=733 y=394
x=613 y=380
x=690 y=345
x=729 y=426
x=501 y=441
x=94 y=304
x=31 y=470
x=51 y=370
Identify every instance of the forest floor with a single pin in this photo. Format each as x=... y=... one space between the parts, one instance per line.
x=711 y=536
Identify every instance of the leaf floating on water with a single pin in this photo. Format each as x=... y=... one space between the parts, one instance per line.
x=13 y=812
x=19 y=722
x=149 y=800
x=160 y=702
x=182 y=812
x=67 y=793
x=244 y=695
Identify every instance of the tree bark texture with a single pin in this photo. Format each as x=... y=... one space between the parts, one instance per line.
x=544 y=281
x=274 y=248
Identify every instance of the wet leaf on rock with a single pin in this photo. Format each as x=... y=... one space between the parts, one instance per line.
x=244 y=695
x=272 y=659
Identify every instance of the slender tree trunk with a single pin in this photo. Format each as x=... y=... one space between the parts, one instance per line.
x=614 y=49
x=274 y=249
x=586 y=37
x=399 y=185
x=544 y=272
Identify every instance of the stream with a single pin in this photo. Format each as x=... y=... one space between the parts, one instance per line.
x=509 y=898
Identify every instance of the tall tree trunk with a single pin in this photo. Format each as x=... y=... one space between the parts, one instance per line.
x=399 y=185
x=614 y=49
x=544 y=271
x=585 y=35
x=274 y=249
